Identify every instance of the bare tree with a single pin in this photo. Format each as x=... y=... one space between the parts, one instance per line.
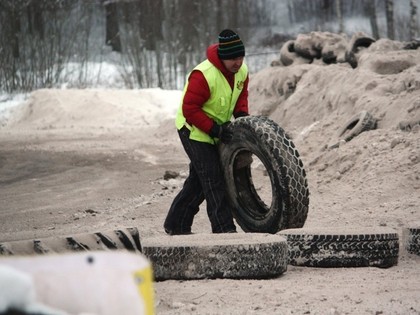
x=413 y=19
x=219 y=15
x=13 y=10
x=371 y=12
x=290 y=11
x=112 y=34
x=339 y=8
x=389 y=9
x=37 y=38
x=159 y=40
x=35 y=20
x=327 y=9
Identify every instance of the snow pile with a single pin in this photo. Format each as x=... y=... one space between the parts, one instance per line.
x=49 y=109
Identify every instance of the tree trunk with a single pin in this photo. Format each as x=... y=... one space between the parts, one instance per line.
x=413 y=19
x=35 y=20
x=219 y=15
x=371 y=12
x=234 y=17
x=15 y=27
x=389 y=5
x=112 y=36
x=339 y=8
x=290 y=11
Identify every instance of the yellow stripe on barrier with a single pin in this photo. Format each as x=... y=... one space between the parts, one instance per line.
x=144 y=281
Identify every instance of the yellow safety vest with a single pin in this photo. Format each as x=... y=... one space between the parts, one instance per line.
x=222 y=101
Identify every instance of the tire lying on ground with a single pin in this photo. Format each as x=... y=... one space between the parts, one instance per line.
x=289 y=193
x=356 y=42
x=411 y=238
x=323 y=248
x=357 y=124
x=230 y=255
x=360 y=122
x=287 y=53
x=126 y=238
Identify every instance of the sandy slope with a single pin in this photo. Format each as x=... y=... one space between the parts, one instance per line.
x=66 y=151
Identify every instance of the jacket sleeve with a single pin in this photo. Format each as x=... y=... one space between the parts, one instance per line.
x=197 y=94
x=241 y=107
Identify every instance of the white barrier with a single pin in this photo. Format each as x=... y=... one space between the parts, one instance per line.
x=100 y=283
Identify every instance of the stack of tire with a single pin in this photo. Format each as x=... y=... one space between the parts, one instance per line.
x=328 y=47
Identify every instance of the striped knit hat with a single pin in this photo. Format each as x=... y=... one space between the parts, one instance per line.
x=230 y=45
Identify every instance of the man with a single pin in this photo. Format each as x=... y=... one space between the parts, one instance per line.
x=217 y=89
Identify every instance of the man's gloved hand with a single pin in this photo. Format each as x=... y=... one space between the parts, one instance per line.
x=224 y=132
x=240 y=114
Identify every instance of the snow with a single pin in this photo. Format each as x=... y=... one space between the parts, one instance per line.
x=149 y=105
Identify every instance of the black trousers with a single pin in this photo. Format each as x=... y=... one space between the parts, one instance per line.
x=205 y=182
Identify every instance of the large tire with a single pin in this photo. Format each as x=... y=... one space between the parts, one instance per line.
x=289 y=188
x=126 y=239
x=210 y=256
x=320 y=248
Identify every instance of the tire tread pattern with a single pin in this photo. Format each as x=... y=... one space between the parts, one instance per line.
x=412 y=240
x=243 y=261
x=343 y=250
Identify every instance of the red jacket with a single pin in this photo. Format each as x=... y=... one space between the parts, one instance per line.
x=198 y=93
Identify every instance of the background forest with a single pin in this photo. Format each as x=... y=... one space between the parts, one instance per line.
x=155 y=43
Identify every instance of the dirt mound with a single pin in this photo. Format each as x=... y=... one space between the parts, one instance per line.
x=48 y=109
x=312 y=102
x=386 y=85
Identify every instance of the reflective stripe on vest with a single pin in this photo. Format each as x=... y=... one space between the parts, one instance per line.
x=222 y=101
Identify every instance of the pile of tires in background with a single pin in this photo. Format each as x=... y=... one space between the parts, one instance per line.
x=328 y=48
